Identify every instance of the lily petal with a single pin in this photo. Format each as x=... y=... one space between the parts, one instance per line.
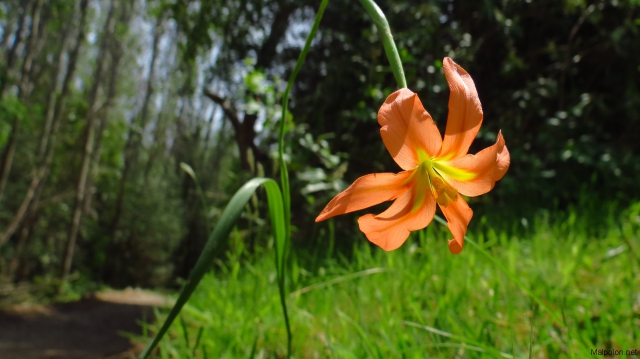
x=365 y=192
x=458 y=216
x=473 y=175
x=408 y=129
x=391 y=228
x=465 y=111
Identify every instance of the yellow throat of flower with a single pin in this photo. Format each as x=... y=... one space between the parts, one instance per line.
x=427 y=175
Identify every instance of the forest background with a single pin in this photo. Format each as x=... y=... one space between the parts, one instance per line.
x=125 y=126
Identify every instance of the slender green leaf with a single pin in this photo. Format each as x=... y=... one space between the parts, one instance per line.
x=220 y=234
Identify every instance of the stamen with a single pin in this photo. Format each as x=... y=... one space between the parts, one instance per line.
x=425 y=175
x=443 y=192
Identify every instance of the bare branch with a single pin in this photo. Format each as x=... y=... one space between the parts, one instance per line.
x=227 y=107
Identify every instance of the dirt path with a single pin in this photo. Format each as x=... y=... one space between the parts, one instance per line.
x=87 y=329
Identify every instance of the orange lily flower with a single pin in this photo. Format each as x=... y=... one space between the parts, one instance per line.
x=436 y=170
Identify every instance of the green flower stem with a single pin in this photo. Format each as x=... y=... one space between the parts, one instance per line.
x=387 y=40
x=284 y=174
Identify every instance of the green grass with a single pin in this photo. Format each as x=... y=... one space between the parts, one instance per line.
x=422 y=302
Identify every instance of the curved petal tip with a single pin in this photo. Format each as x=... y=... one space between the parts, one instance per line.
x=454 y=246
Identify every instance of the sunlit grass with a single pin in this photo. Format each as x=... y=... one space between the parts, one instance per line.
x=421 y=301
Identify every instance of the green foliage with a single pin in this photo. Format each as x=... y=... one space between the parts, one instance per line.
x=148 y=235
x=220 y=234
x=10 y=108
x=260 y=92
x=279 y=212
x=421 y=300
x=558 y=78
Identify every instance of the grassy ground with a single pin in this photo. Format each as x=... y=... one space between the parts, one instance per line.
x=422 y=302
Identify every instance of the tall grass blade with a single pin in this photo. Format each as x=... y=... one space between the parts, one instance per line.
x=198 y=337
x=185 y=333
x=515 y=279
x=220 y=234
x=189 y=171
x=339 y=280
x=284 y=174
x=254 y=348
x=533 y=318
x=466 y=343
x=509 y=274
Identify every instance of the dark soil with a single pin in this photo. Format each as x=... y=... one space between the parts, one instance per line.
x=92 y=328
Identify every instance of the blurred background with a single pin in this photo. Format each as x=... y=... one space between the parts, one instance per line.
x=109 y=109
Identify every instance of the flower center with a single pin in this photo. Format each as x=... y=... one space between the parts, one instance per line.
x=443 y=192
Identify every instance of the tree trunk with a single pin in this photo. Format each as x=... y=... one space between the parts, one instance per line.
x=207 y=138
x=54 y=117
x=244 y=132
x=43 y=144
x=10 y=149
x=279 y=26
x=35 y=72
x=133 y=141
x=162 y=122
x=31 y=218
x=31 y=50
x=6 y=34
x=107 y=35
x=159 y=138
x=12 y=54
x=219 y=152
x=116 y=55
